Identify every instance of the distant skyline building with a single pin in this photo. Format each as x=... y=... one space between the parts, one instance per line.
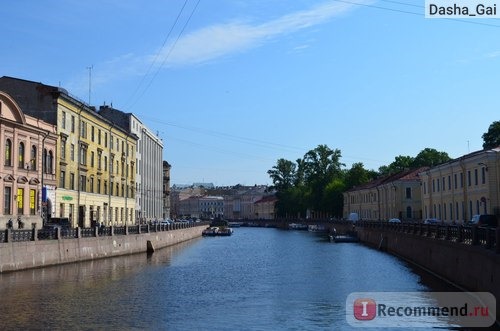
x=149 y=155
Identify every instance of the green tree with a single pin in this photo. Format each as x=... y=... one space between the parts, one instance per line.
x=430 y=157
x=321 y=165
x=491 y=138
x=358 y=175
x=334 y=198
x=283 y=174
x=399 y=164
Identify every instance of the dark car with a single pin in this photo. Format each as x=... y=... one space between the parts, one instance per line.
x=484 y=220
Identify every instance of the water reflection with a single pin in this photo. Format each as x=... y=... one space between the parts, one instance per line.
x=257 y=279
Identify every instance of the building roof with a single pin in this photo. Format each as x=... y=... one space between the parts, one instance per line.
x=407 y=175
x=269 y=198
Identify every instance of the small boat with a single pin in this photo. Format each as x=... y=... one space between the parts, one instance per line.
x=225 y=232
x=296 y=226
x=349 y=237
x=344 y=239
x=211 y=231
x=234 y=224
x=217 y=231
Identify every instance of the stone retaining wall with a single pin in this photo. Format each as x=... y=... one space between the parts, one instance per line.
x=34 y=254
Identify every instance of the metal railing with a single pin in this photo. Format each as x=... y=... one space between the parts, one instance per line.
x=10 y=235
x=486 y=237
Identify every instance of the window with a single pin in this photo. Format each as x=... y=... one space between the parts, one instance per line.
x=408 y=193
x=98 y=186
x=105 y=163
x=73 y=124
x=110 y=142
x=33 y=157
x=483 y=175
x=83 y=129
x=455 y=180
x=21 y=155
x=99 y=157
x=99 y=136
x=92 y=134
x=20 y=201
x=48 y=161
x=461 y=179
x=71 y=181
x=444 y=185
x=469 y=179
x=62 y=179
x=105 y=139
x=8 y=153
x=83 y=183
x=32 y=202
x=449 y=183
x=7 y=198
x=105 y=187
x=83 y=154
x=91 y=184
x=475 y=177
x=72 y=152
x=63 y=149
x=63 y=120
x=92 y=159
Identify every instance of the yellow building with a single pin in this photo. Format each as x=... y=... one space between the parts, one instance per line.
x=95 y=166
x=394 y=196
x=463 y=187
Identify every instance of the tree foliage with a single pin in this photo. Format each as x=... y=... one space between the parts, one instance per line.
x=491 y=138
x=317 y=181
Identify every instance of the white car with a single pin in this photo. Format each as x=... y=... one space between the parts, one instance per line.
x=394 y=220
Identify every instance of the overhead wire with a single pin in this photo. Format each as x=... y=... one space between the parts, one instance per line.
x=167 y=55
x=470 y=21
x=157 y=54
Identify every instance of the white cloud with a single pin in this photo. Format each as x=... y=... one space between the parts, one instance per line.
x=219 y=40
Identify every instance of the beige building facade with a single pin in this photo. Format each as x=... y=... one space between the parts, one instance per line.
x=394 y=196
x=466 y=186
x=265 y=208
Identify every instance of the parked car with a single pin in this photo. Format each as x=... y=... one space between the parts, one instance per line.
x=484 y=220
x=432 y=221
x=165 y=222
x=353 y=217
x=394 y=220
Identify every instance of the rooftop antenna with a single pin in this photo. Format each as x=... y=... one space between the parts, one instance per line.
x=90 y=80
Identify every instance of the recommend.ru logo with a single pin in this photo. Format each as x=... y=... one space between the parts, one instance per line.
x=421 y=309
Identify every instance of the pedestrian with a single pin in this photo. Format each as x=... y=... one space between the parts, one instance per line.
x=9 y=224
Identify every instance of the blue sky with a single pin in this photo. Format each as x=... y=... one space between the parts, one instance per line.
x=231 y=86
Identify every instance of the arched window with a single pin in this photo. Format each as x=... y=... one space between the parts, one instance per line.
x=33 y=157
x=50 y=163
x=8 y=152
x=44 y=161
x=21 y=155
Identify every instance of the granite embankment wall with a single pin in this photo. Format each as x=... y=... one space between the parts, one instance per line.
x=40 y=253
x=471 y=263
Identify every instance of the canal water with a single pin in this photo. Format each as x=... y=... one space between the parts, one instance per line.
x=257 y=279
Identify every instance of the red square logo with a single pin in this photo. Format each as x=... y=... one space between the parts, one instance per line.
x=365 y=309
